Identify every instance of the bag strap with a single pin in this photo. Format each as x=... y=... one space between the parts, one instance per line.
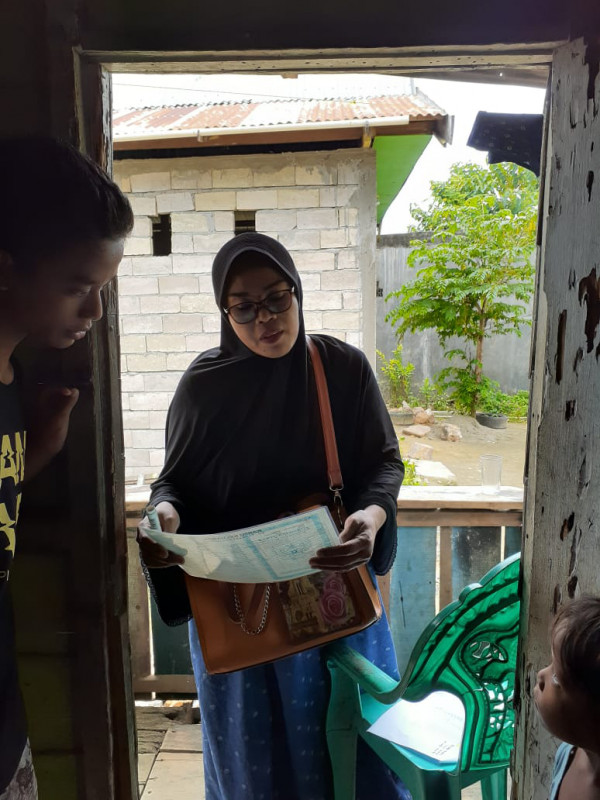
x=334 y=472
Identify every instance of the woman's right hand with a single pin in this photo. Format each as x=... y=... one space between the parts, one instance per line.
x=154 y=555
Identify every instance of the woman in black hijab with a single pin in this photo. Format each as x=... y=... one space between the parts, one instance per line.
x=244 y=444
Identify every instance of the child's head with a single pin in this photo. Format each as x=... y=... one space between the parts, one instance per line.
x=63 y=223
x=567 y=693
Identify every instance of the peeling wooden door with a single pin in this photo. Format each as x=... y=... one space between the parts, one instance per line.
x=562 y=525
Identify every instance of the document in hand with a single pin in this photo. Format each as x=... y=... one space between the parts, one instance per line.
x=432 y=727
x=275 y=551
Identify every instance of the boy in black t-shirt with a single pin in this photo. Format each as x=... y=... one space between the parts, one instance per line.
x=63 y=224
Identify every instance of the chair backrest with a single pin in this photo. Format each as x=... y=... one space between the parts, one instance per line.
x=470 y=649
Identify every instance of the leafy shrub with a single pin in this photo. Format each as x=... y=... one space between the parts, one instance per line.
x=410 y=475
x=513 y=406
x=467 y=395
x=461 y=384
x=397 y=376
x=431 y=395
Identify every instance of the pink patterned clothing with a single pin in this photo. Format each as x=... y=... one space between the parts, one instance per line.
x=23 y=785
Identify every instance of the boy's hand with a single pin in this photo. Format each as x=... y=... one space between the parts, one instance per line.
x=49 y=426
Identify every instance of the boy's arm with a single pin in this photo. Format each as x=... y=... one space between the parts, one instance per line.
x=48 y=427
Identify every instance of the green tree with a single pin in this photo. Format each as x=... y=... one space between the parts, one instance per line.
x=476 y=273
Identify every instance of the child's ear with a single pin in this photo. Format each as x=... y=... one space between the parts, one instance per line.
x=7 y=271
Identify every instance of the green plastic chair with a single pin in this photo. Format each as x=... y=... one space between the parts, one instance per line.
x=468 y=649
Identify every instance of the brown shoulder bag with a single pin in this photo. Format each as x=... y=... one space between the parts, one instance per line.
x=242 y=625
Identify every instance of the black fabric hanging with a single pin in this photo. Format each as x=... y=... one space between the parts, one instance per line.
x=509 y=137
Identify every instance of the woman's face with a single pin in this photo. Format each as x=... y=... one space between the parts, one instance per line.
x=270 y=334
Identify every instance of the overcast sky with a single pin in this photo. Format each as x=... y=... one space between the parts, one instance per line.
x=461 y=99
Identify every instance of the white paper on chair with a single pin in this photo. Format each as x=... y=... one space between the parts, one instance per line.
x=432 y=727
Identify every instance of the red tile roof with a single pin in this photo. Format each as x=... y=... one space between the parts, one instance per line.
x=255 y=116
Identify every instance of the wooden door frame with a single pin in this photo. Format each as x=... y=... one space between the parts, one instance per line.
x=560 y=545
x=93 y=113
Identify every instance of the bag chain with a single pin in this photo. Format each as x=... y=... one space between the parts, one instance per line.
x=240 y=613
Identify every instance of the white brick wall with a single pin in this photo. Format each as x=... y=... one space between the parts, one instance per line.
x=321 y=206
x=149 y=265
x=146 y=181
x=215 y=201
x=254 y=199
x=190 y=223
x=174 y=201
x=143 y=205
x=137 y=245
x=276 y=220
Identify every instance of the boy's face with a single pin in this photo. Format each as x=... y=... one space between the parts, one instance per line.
x=566 y=711
x=55 y=301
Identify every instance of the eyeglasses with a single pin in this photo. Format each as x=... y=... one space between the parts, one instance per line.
x=276 y=303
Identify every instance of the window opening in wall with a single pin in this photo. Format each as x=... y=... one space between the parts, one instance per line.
x=245 y=222
x=161 y=235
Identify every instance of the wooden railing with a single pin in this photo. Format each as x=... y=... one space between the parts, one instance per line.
x=152 y=642
x=448 y=537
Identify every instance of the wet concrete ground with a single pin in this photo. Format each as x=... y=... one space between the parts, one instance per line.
x=462 y=457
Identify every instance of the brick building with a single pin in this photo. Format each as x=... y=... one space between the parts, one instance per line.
x=320 y=190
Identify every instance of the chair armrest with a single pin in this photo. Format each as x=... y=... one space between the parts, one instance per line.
x=369 y=678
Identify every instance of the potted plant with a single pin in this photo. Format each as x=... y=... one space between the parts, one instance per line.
x=491 y=403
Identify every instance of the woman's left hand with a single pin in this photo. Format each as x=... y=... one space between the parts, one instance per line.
x=357 y=542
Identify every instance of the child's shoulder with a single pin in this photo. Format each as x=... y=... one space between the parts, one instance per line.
x=562 y=760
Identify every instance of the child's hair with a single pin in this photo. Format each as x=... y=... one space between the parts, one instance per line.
x=53 y=197
x=579 y=624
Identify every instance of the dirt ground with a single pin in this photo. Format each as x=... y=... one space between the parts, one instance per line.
x=462 y=457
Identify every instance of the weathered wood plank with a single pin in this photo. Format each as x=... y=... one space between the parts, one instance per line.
x=145 y=764
x=183 y=739
x=165 y=684
x=475 y=550
x=458 y=519
x=413 y=589
x=331 y=59
x=384 y=588
x=163 y=717
x=509 y=498
x=177 y=775
x=445 y=594
x=561 y=533
x=149 y=741
x=139 y=614
x=102 y=677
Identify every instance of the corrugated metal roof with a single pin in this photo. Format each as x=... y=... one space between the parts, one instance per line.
x=252 y=115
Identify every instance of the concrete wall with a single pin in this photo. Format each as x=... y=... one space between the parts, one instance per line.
x=505 y=358
x=321 y=206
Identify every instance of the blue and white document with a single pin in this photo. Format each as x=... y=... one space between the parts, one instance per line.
x=275 y=551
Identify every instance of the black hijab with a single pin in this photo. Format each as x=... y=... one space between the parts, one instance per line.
x=244 y=440
x=248 y=417
x=276 y=256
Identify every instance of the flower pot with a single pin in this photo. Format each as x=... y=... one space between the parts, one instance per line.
x=491 y=420
x=400 y=417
